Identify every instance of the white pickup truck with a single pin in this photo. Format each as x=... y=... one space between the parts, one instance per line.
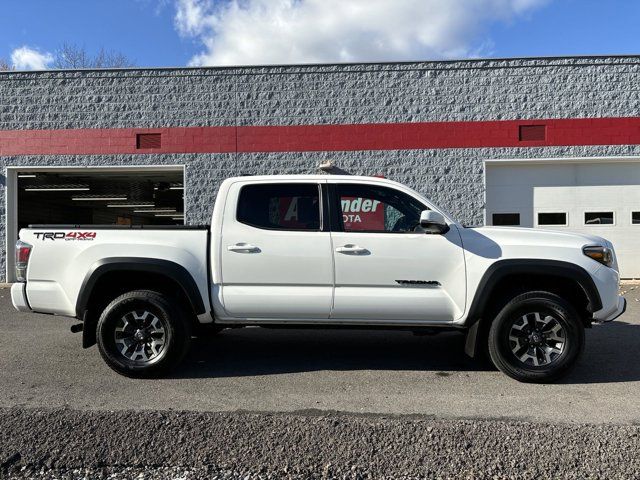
x=321 y=250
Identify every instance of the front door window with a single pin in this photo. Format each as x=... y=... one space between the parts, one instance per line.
x=377 y=209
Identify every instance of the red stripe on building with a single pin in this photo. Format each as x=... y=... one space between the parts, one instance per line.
x=299 y=138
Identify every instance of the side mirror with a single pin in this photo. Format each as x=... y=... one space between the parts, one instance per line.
x=433 y=222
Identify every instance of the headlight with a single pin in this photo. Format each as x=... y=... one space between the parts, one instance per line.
x=600 y=254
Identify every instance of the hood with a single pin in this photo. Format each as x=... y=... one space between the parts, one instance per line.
x=510 y=242
x=537 y=236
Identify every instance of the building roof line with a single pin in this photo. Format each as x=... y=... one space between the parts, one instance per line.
x=474 y=63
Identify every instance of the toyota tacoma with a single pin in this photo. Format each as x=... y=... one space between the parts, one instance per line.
x=321 y=251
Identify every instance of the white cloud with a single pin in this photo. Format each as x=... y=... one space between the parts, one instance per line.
x=237 y=32
x=26 y=58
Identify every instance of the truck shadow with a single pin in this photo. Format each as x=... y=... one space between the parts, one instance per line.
x=610 y=355
x=261 y=351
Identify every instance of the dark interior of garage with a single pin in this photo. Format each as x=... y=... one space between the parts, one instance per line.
x=100 y=198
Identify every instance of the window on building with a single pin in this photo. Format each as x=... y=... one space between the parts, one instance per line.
x=505 y=219
x=280 y=206
x=635 y=218
x=371 y=208
x=598 y=218
x=552 y=218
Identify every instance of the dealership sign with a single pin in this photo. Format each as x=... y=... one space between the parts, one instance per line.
x=358 y=214
x=362 y=214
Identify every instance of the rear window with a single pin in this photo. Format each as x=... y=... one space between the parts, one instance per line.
x=280 y=206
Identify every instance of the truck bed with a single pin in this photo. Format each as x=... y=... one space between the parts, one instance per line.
x=63 y=257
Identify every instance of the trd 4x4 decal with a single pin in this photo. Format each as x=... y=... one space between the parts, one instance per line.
x=65 y=236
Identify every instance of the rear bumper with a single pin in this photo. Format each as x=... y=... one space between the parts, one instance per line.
x=19 y=297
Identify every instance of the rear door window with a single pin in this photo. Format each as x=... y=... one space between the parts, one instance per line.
x=280 y=206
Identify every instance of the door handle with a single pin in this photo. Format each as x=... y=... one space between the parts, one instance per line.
x=354 y=249
x=243 y=248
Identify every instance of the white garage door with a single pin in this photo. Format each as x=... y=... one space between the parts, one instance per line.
x=595 y=198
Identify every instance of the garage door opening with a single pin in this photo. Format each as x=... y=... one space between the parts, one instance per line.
x=100 y=198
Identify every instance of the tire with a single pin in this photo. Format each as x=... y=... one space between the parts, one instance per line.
x=143 y=334
x=537 y=337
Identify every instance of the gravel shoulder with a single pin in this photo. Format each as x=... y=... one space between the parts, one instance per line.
x=66 y=443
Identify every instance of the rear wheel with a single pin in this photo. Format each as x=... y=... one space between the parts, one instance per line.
x=536 y=337
x=143 y=334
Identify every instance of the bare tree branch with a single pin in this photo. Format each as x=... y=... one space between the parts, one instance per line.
x=71 y=56
x=4 y=65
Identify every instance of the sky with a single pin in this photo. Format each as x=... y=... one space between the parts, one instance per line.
x=168 y=33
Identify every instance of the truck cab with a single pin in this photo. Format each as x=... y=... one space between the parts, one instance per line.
x=341 y=249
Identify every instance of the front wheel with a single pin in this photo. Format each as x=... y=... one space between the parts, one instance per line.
x=143 y=334
x=536 y=337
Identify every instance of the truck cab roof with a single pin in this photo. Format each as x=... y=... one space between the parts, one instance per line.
x=313 y=177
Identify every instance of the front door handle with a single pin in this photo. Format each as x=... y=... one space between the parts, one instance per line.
x=243 y=248
x=352 y=249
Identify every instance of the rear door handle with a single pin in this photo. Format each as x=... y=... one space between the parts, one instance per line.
x=243 y=248
x=353 y=249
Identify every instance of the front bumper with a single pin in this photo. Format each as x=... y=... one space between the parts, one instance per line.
x=19 y=297
x=620 y=308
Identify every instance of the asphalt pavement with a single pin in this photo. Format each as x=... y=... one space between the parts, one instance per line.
x=257 y=404
x=42 y=365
